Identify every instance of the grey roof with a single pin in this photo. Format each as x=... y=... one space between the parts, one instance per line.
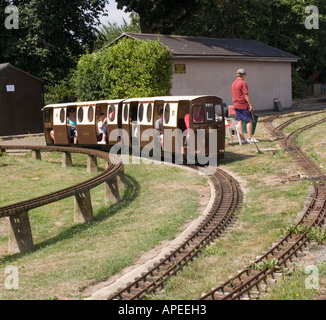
x=185 y=46
x=6 y=65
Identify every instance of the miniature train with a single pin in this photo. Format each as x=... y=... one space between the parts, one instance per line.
x=192 y=125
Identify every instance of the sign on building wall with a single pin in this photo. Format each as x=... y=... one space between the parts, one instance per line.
x=10 y=88
x=180 y=68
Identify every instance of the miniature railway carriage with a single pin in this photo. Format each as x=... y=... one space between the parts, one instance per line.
x=191 y=124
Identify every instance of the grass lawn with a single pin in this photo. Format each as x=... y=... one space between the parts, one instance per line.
x=271 y=204
x=155 y=205
x=69 y=256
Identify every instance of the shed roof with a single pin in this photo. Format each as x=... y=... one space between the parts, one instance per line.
x=219 y=48
x=6 y=65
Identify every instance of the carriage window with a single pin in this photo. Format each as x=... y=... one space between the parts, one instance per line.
x=112 y=113
x=62 y=115
x=80 y=115
x=197 y=113
x=149 y=112
x=125 y=113
x=218 y=113
x=90 y=114
x=141 y=113
x=167 y=114
x=47 y=116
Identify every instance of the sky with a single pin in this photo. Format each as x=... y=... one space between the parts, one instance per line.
x=114 y=14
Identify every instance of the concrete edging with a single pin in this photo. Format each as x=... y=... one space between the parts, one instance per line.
x=107 y=288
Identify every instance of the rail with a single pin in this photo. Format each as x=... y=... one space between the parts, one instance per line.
x=247 y=283
x=228 y=198
x=20 y=235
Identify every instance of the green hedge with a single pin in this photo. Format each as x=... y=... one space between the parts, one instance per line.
x=130 y=68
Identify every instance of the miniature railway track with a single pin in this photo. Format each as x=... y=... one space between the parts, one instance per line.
x=247 y=284
x=308 y=165
x=112 y=169
x=228 y=196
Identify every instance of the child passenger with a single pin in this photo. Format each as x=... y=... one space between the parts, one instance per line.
x=102 y=129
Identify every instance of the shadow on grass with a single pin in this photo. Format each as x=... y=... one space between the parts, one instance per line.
x=230 y=157
x=131 y=192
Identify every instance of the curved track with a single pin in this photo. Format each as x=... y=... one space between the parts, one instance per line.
x=114 y=166
x=227 y=199
x=228 y=196
x=248 y=282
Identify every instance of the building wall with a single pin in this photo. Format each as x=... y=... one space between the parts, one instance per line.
x=266 y=80
x=20 y=110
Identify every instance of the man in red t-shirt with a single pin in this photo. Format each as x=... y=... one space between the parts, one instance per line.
x=242 y=105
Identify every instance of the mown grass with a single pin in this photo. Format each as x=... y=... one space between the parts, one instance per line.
x=69 y=256
x=271 y=204
x=301 y=284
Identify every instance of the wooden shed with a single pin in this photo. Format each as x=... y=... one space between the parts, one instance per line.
x=21 y=101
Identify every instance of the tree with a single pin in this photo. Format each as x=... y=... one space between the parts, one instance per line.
x=108 y=33
x=51 y=35
x=157 y=15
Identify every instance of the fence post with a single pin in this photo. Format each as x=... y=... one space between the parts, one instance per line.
x=111 y=191
x=20 y=233
x=91 y=164
x=36 y=154
x=121 y=179
x=83 y=210
x=66 y=159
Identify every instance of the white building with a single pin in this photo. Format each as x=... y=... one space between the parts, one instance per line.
x=209 y=65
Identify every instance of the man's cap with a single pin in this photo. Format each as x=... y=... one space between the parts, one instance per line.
x=241 y=71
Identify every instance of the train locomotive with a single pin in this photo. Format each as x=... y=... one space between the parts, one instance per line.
x=193 y=126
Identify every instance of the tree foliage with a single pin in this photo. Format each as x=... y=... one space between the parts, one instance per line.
x=158 y=15
x=108 y=33
x=130 y=68
x=51 y=35
x=279 y=23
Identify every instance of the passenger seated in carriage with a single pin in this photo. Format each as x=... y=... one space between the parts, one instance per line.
x=197 y=114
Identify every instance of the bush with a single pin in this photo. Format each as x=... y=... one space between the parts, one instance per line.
x=87 y=78
x=130 y=68
x=61 y=92
x=298 y=85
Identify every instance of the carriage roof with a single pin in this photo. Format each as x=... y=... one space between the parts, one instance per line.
x=82 y=103
x=115 y=101
x=167 y=98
